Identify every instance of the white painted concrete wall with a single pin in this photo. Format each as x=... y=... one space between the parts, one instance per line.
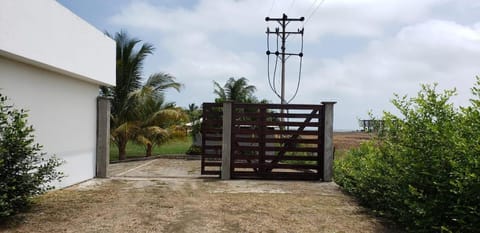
x=45 y=33
x=62 y=111
x=52 y=64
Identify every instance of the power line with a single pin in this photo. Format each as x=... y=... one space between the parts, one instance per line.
x=291 y=5
x=271 y=7
x=299 y=75
x=275 y=71
x=311 y=7
x=313 y=12
x=272 y=86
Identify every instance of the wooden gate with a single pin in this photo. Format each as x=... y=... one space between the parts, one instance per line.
x=211 y=138
x=268 y=141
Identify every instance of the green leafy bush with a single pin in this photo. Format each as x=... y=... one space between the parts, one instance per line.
x=194 y=150
x=423 y=170
x=24 y=170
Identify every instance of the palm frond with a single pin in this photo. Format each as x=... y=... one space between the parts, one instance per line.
x=163 y=81
x=236 y=90
x=140 y=139
x=152 y=135
x=219 y=91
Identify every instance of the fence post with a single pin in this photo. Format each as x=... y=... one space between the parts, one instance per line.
x=226 y=140
x=328 y=141
x=103 y=136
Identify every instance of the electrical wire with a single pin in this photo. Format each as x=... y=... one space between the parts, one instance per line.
x=275 y=70
x=313 y=12
x=274 y=77
x=290 y=7
x=298 y=82
x=268 y=65
x=269 y=82
x=311 y=7
x=299 y=73
x=271 y=8
x=268 y=58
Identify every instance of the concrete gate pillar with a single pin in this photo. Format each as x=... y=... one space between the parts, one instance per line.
x=327 y=161
x=103 y=136
x=226 y=140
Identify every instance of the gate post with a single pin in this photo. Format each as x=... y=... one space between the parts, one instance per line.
x=328 y=141
x=226 y=140
x=103 y=136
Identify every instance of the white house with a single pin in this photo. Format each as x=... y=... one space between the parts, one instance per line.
x=52 y=63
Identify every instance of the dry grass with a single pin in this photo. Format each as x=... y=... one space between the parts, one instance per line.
x=349 y=140
x=345 y=141
x=198 y=206
x=143 y=201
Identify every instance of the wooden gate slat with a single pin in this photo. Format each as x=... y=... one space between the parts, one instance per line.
x=290 y=141
x=211 y=131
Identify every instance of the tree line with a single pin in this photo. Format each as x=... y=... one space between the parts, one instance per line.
x=139 y=110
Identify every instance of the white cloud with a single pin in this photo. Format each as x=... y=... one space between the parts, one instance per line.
x=404 y=47
x=366 y=18
x=204 y=58
x=343 y=17
x=428 y=52
x=206 y=16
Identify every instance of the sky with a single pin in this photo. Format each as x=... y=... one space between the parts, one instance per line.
x=358 y=53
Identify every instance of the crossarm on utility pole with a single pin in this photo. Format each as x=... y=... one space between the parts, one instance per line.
x=283 y=34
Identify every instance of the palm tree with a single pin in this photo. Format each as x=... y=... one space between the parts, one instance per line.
x=154 y=116
x=131 y=54
x=236 y=90
x=194 y=112
x=239 y=91
x=128 y=79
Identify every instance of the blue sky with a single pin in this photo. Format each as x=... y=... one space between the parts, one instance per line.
x=357 y=52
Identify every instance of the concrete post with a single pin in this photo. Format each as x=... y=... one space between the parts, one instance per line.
x=226 y=140
x=103 y=136
x=328 y=142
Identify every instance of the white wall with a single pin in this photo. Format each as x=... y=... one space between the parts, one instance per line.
x=62 y=111
x=46 y=34
x=52 y=63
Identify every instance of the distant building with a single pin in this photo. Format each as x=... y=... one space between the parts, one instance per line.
x=52 y=63
x=370 y=125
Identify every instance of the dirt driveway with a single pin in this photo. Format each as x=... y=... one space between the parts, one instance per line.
x=168 y=195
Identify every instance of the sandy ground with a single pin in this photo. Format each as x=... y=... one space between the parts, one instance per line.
x=168 y=195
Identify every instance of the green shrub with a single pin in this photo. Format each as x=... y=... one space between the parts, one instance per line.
x=423 y=170
x=24 y=171
x=194 y=150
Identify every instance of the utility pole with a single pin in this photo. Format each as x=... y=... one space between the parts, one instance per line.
x=283 y=34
